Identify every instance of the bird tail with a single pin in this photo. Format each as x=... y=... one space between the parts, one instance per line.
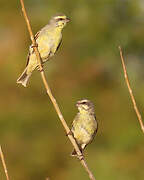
x=23 y=79
x=81 y=148
x=73 y=153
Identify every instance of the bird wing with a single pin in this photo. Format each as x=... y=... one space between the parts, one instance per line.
x=31 y=51
x=28 y=57
x=59 y=45
x=96 y=129
x=97 y=124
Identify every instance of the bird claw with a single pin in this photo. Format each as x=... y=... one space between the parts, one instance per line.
x=33 y=46
x=69 y=133
x=39 y=69
x=80 y=157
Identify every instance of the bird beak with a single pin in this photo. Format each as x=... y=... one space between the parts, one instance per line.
x=67 y=19
x=77 y=104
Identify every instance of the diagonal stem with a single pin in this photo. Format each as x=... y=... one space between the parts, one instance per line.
x=53 y=100
x=130 y=91
x=3 y=163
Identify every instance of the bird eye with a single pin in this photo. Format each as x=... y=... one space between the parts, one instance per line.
x=83 y=102
x=60 y=19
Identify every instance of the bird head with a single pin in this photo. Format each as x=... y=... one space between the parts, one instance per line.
x=85 y=106
x=59 y=20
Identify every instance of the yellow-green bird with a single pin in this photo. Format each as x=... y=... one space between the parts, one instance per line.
x=84 y=126
x=48 y=40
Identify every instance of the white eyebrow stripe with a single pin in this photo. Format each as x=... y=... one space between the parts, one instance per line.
x=57 y=17
x=84 y=101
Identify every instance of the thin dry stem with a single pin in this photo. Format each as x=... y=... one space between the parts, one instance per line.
x=130 y=91
x=53 y=100
x=3 y=163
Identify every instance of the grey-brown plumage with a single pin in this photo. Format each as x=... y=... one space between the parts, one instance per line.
x=84 y=126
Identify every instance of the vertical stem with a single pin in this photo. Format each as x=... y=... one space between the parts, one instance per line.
x=130 y=91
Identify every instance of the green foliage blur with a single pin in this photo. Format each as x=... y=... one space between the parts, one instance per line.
x=87 y=65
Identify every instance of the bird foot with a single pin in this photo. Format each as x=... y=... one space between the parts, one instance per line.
x=40 y=69
x=80 y=157
x=69 y=133
x=32 y=46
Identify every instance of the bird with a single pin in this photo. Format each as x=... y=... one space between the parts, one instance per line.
x=48 y=40
x=84 y=125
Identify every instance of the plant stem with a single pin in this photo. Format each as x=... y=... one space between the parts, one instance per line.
x=130 y=91
x=3 y=163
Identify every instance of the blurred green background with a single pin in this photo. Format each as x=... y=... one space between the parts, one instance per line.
x=87 y=65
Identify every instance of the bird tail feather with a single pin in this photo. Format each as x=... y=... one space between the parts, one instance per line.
x=73 y=153
x=23 y=79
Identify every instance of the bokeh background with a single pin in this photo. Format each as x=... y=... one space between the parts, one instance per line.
x=87 y=65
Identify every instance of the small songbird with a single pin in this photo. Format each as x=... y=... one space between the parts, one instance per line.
x=84 y=126
x=48 y=40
